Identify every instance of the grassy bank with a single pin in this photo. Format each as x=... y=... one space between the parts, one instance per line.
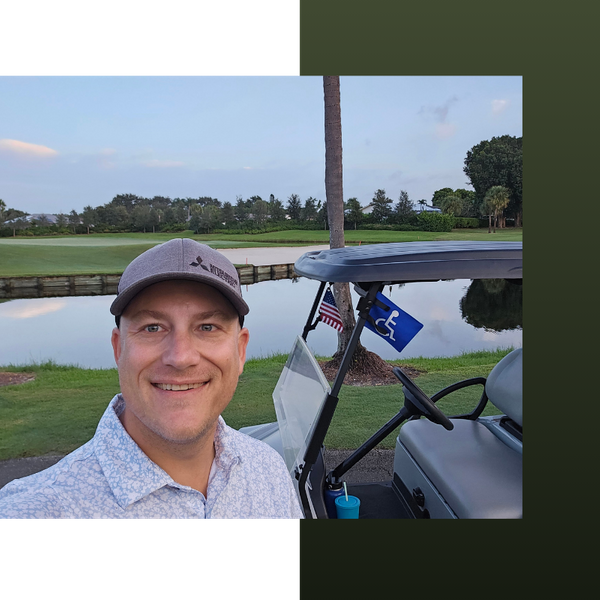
x=111 y=253
x=59 y=410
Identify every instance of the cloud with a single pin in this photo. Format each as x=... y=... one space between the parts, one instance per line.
x=443 y=129
x=162 y=164
x=439 y=112
x=24 y=149
x=499 y=106
x=28 y=309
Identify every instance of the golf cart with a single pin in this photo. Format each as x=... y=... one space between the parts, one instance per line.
x=461 y=466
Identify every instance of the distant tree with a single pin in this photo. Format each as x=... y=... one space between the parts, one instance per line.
x=128 y=201
x=276 y=209
x=469 y=204
x=13 y=213
x=89 y=217
x=205 y=218
x=74 y=219
x=176 y=212
x=240 y=210
x=294 y=207
x=228 y=214
x=498 y=162
x=116 y=216
x=382 y=210
x=141 y=217
x=310 y=210
x=439 y=195
x=323 y=216
x=62 y=220
x=189 y=202
x=18 y=224
x=452 y=205
x=403 y=209
x=495 y=201
x=208 y=201
x=422 y=203
x=2 y=211
x=260 y=210
x=355 y=214
x=160 y=202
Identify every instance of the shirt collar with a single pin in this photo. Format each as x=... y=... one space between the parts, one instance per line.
x=129 y=472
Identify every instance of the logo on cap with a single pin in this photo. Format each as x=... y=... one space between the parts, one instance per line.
x=215 y=271
x=199 y=264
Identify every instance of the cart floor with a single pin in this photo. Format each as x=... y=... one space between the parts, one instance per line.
x=379 y=501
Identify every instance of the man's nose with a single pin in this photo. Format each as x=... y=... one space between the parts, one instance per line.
x=181 y=351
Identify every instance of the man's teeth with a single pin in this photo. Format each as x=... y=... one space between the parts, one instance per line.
x=178 y=388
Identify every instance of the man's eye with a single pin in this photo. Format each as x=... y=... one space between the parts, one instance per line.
x=152 y=328
x=207 y=327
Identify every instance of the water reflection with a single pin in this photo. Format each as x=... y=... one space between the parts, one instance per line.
x=76 y=330
x=494 y=304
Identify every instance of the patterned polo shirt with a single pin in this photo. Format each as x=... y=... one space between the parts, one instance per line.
x=111 y=477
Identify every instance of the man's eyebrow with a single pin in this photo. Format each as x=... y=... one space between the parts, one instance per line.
x=203 y=315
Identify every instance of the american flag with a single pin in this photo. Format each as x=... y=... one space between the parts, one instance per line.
x=329 y=312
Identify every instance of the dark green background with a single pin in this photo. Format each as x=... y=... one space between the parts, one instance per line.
x=552 y=46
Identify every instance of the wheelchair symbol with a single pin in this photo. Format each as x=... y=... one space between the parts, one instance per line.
x=388 y=324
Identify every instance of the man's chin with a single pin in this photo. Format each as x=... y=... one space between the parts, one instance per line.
x=185 y=436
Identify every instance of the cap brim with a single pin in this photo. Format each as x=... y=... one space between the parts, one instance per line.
x=124 y=298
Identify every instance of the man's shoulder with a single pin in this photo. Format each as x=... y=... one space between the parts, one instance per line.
x=257 y=456
x=251 y=446
x=38 y=495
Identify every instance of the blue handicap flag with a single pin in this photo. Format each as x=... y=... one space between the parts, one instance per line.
x=399 y=326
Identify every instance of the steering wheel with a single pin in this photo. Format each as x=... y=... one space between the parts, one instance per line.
x=421 y=401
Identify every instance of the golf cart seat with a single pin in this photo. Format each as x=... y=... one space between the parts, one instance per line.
x=475 y=470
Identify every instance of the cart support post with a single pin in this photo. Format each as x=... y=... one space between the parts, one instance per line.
x=324 y=419
x=309 y=324
x=361 y=452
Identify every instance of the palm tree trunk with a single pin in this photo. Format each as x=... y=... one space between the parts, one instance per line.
x=363 y=361
x=335 y=198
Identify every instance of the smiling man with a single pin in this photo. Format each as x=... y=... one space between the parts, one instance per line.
x=162 y=449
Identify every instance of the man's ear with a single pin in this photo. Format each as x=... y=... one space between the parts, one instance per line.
x=244 y=337
x=115 y=340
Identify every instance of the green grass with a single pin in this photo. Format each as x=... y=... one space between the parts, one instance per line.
x=59 y=411
x=111 y=253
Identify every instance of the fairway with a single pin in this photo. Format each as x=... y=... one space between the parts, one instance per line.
x=90 y=254
x=100 y=240
x=79 y=242
x=111 y=253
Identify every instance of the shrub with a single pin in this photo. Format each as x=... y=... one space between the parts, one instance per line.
x=466 y=223
x=431 y=221
x=388 y=227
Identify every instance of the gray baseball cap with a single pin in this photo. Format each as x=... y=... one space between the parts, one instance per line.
x=180 y=258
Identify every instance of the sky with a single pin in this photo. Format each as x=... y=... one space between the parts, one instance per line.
x=69 y=142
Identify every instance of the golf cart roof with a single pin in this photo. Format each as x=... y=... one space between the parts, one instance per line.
x=414 y=261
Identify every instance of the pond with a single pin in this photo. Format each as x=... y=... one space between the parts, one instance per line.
x=458 y=316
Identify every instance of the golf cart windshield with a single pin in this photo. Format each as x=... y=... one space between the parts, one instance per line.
x=299 y=397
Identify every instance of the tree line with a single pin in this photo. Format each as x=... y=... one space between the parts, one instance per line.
x=493 y=168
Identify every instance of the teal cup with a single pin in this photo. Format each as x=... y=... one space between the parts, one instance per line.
x=347 y=509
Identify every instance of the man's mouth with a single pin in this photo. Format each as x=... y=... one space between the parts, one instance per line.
x=178 y=387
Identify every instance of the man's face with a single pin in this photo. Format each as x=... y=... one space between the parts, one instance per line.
x=179 y=351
